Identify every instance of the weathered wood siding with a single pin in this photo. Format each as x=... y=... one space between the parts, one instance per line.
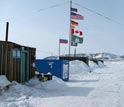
x=10 y=66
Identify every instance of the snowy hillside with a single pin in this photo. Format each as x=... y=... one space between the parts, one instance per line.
x=106 y=56
x=89 y=86
x=122 y=56
x=103 y=56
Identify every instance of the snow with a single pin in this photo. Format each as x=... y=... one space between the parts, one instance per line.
x=78 y=69
x=54 y=84
x=103 y=87
x=3 y=81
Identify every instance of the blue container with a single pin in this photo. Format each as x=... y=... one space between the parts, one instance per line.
x=59 y=68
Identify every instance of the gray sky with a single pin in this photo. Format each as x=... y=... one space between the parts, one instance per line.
x=43 y=29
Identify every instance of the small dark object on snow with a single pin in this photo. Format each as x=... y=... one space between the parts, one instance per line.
x=49 y=76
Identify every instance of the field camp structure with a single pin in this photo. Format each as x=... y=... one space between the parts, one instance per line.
x=17 y=62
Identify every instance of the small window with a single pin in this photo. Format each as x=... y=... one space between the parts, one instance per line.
x=16 y=53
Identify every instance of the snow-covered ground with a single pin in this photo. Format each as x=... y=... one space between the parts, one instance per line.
x=97 y=86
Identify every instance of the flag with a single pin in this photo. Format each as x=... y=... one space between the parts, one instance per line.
x=74 y=10
x=76 y=39
x=64 y=41
x=74 y=44
x=76 y=16
x=76 y=32
x=73 y=23
x=72 y=27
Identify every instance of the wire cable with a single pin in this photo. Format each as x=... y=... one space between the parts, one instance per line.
x=90 y=10
x=99 y=14
x=53 y=6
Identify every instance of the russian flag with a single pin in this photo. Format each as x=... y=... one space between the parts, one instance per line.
x=64 y=41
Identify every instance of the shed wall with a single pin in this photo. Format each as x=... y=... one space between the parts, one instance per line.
x=11 y=66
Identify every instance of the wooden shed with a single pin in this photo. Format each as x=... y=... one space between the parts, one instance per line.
x=17 y=62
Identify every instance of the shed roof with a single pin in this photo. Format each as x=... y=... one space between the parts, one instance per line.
x=15 y=44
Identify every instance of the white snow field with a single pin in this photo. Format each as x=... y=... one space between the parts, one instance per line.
x=103 y=87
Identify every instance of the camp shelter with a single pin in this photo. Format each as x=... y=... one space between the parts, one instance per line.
x=17 y=62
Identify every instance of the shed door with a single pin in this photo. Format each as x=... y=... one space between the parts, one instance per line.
x=24 y=67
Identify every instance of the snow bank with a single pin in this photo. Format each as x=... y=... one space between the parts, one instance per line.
x=17 y=94
x=78 y=69
x=53 y=84
x=93 y=65
x=100 y=64
x=4 y=81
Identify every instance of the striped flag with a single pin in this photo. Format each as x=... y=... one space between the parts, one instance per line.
x=64 y=41
x=73 y=23
x=76 y=16
x=74 y=10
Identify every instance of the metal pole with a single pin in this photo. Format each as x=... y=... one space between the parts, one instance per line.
x=59 y=47
x=75 y=52
x=7 y=30
x=70 y=28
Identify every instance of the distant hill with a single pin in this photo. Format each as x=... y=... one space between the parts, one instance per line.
x=106 y=56
x=102 y=56
x=122 y=56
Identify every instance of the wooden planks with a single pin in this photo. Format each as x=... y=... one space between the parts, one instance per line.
x=10 y=65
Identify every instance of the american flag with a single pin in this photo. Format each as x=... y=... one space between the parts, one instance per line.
x=76 y=16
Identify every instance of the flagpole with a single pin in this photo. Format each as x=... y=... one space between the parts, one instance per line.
x=75 y=52
x=59 y=47
x=70 y=28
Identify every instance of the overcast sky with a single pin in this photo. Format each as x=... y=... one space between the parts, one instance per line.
x=42 y=29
